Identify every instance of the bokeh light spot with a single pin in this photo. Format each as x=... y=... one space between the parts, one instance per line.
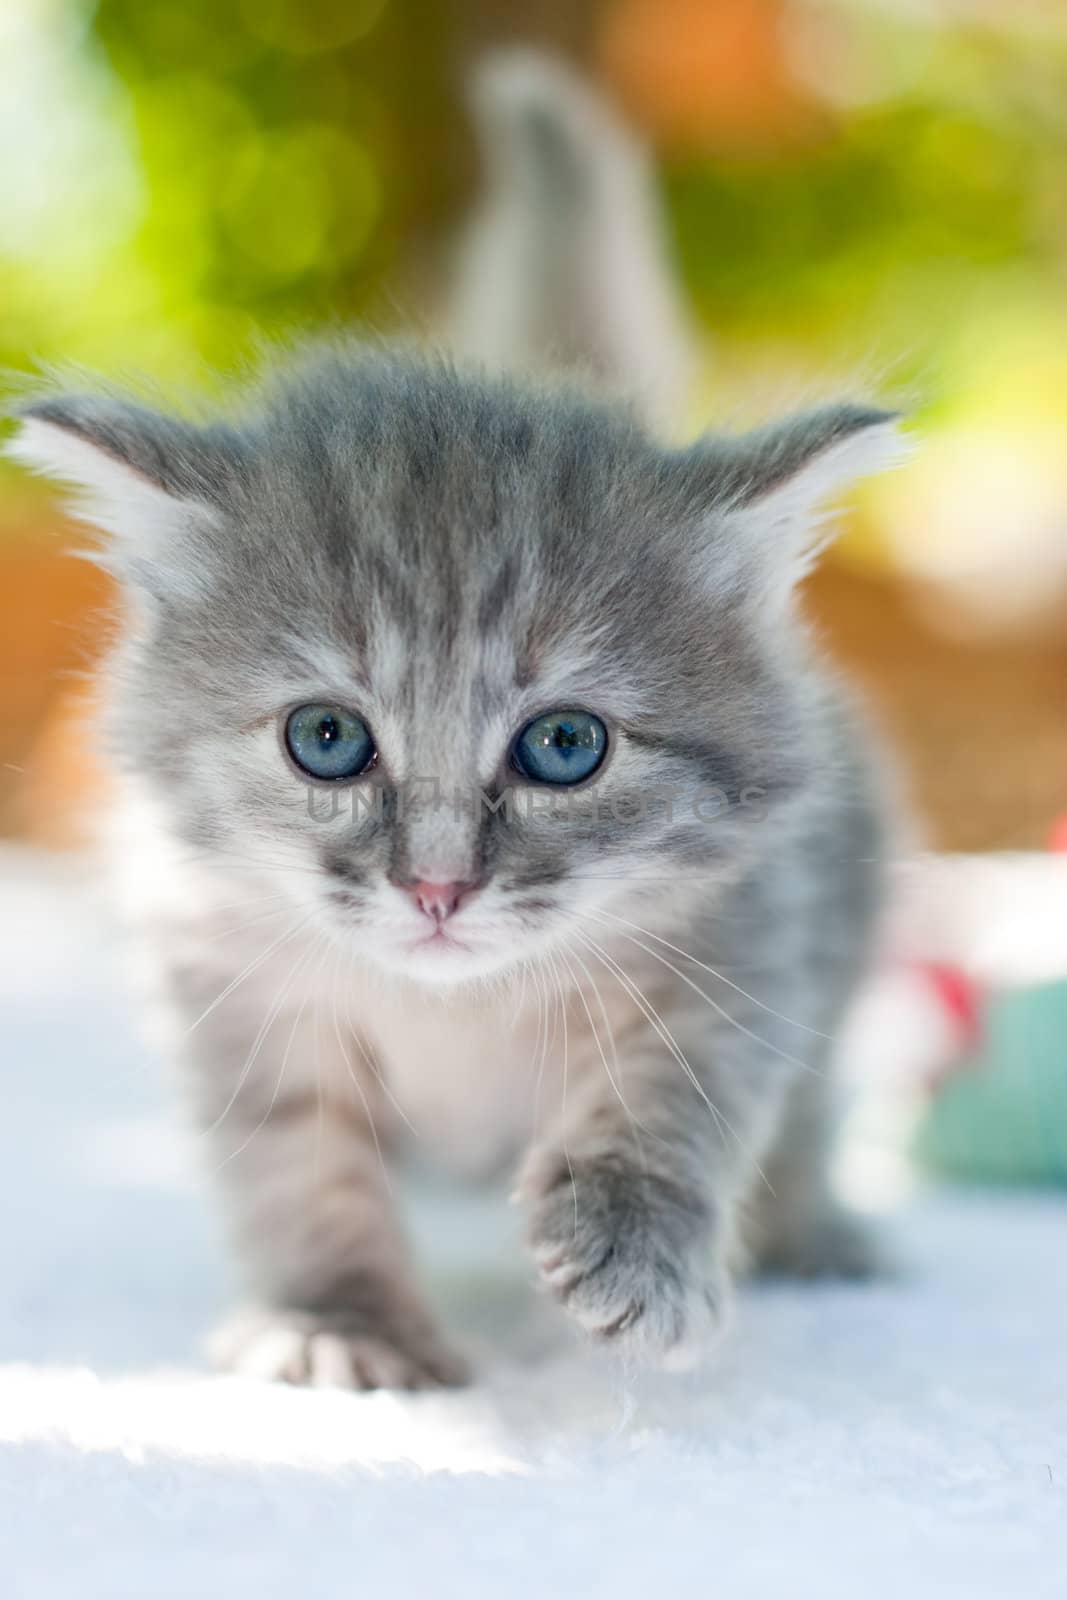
x=307 y=27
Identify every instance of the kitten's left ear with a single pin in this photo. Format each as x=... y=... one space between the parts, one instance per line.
x=774 y=490
x=141 y=476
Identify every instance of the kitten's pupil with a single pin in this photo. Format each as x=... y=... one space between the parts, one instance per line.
x=328 y=730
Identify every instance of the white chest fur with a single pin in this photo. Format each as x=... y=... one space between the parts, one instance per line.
x=464 y=1067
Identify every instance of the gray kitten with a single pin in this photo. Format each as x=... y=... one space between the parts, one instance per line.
x=478 y=777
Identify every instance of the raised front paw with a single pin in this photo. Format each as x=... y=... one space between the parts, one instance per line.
x=335 y=1350
x=628 y=1252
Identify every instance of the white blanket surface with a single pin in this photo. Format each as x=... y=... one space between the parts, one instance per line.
x=897 y=1440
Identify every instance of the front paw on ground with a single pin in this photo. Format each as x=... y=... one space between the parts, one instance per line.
x=324 y=1352
x=616 y=1247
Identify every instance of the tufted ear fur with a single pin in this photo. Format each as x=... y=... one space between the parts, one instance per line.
x=772 y=492
x=140 y=476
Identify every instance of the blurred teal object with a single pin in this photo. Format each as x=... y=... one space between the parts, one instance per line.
x=1002 y=1116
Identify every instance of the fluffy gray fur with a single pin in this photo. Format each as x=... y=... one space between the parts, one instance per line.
x=638 y=1003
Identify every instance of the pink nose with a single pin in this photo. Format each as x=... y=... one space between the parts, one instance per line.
x=439 y=900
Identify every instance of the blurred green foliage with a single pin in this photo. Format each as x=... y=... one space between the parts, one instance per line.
x=186 y=175
x=210 y=170
x=938 y=198
x=262 y=142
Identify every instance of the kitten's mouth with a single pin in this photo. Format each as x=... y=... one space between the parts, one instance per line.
x=440 y=939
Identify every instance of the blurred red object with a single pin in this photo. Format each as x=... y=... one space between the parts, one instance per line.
x=1057 y=839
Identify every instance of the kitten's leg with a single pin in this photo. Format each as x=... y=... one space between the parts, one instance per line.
x=794 y=1222
x=636 y=1210
x=313 y=1219
x=633 y=1208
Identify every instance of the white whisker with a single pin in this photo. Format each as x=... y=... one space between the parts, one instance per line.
x=520 y=1002
x=247 y=971
x=635 y=1125
x=775 y=1050
x=372 y=1066
x=653 y=1016
x=563 y=1121
x=265 y=1118
x=367 y=1109
x=250 y=922
x=541 y=1043
x=256 y=1046
x=678 y=951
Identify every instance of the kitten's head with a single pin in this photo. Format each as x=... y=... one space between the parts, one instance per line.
x=467 y=668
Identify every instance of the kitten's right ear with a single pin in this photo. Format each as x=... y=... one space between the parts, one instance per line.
x=140 y=476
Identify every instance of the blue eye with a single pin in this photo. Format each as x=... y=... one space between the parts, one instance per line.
x=329 y=742
x=562 y=747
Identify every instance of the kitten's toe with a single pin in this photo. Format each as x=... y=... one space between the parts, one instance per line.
x=324 y=1353
x=335 y=1362
x=616 y=1247
x=835 y=1243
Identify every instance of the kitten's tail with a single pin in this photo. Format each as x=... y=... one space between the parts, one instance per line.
x=566 y=264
